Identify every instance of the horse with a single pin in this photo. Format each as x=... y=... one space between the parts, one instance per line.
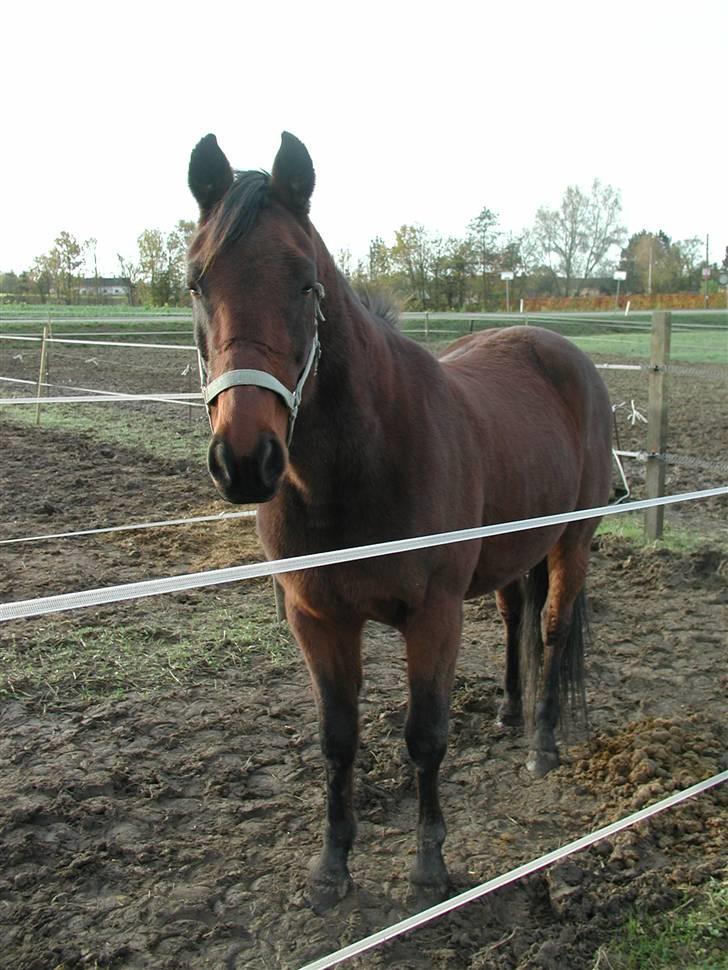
x=346 y=432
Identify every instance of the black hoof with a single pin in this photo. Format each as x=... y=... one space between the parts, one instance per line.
x=429 y=885
x=324 y=891
x=422 y=897
x=540 y=763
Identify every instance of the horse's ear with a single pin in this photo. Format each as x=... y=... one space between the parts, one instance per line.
x=209 y=176
x=293 y=176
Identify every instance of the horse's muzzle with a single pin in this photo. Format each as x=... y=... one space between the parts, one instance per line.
x=251 y=478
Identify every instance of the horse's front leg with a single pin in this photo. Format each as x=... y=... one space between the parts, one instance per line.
x=433 y=639
x=333 y=657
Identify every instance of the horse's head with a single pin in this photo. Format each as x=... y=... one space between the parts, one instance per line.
x=255 y=290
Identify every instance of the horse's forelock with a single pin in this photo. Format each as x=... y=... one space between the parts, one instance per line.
x=236 y=213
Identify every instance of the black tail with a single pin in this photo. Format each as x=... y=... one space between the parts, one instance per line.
x=572 y=699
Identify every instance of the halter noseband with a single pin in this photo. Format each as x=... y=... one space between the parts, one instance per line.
x=261 y=378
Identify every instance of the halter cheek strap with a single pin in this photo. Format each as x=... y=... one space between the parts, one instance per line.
x=260 y=378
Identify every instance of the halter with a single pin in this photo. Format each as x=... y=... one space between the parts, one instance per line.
x=261 y=378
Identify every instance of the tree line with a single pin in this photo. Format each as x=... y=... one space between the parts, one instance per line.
x=155 y=276
x=570 y=250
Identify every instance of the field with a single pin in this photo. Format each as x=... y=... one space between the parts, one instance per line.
x=162 y=788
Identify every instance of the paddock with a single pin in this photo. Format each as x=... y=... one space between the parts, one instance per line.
x=160 y=813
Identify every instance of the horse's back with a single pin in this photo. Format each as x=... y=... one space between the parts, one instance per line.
x=534 y=389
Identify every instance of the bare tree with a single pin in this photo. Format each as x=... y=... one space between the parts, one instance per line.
x=575 y=240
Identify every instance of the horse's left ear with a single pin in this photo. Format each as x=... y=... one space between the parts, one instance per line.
x=209 y=176
x=293 y=176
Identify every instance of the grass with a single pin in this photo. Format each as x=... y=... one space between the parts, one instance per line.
x=169 y=438
x=692 y=346
x=693 y=937
x=157 y=647
x=707 y=345
x=630 y=526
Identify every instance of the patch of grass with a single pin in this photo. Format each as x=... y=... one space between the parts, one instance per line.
x=630 y=526
x=692 y=346
x=706 y=345
x=693 y=937
x=167 y=438
x=153 y=648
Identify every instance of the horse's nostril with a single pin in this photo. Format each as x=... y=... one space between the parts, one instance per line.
x=251 y=478
x=271 y=461
x=220 y=463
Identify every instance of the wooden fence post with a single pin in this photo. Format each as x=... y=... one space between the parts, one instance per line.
x=280 y=600
x=657 y=421
x=41 y=373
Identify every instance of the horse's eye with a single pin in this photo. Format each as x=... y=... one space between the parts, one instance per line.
x=192 y=287
x=307 y=289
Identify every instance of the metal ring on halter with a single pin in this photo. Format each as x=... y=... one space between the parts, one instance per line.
x=259 y=378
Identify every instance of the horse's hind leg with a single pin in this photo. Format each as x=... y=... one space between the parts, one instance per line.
x=333 y=657
x=433 y=639
x=509 y=601
x=563 y=643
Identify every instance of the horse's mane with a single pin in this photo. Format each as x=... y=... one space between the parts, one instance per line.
x=237 y=212
x=381 y=303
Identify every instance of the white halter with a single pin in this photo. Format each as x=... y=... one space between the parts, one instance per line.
x=260 y=378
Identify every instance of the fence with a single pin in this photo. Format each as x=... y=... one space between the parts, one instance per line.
x=86 y=598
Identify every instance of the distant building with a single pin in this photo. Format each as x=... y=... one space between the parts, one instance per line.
x=105 y=288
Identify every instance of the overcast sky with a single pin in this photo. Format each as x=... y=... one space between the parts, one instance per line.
x=411 y=112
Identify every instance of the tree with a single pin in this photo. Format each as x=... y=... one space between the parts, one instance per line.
x=151 y=260
x=655 y=264
x=162 y=262
x=483 y=239
x=380 y=259
x=69 y=259
x=92 y=267
x=575 y=240
x=43 y=275
x=129 y=270
x=410 y=255
x=457 y=272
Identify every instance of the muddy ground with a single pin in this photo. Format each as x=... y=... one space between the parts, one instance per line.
x=171 y=826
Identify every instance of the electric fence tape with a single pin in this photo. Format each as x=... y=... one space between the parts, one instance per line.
x=174 y=584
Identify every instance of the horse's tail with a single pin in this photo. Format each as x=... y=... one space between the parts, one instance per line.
x=572 y=699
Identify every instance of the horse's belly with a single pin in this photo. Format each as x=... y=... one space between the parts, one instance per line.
x=506 y=558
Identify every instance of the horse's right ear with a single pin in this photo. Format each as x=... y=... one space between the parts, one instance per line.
x=209 y=176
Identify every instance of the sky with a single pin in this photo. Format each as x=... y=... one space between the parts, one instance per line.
x=412 y=113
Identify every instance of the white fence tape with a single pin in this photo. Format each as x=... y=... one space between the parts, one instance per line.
x=97 y=395
x=103 y=397
x=427 y=915
x=130 y=527
x=99 y=343
x=216 y=577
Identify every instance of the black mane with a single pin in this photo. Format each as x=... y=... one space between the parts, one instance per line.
x=381 y=303
x=237 y=212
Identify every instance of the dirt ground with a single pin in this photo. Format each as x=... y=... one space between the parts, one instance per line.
x=172 y=828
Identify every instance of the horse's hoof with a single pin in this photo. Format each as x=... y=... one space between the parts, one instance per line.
x=540 y=763
x=323 y=892
x=509 y=715
x=429 y=886
x=424 y=895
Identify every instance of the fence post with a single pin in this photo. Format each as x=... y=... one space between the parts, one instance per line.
x=657 y=421
x=41 y=373
x=280 y=600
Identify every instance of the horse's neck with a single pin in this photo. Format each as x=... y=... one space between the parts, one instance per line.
x=350 y=425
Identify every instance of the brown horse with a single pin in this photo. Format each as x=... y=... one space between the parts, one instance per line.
x=388 y=443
